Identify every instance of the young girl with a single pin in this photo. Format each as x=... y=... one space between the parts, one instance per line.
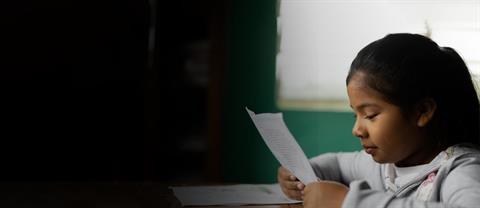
x=417 y=118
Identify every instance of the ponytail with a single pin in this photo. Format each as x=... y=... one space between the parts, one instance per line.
x=463 y=99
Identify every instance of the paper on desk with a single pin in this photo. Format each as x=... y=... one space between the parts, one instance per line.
x=284 y=147
x=243 y=194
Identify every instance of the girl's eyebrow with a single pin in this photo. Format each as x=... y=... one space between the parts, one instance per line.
x=364 y=105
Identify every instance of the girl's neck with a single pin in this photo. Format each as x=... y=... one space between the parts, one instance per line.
x=420 y=157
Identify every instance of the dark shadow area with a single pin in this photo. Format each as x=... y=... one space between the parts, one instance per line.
x=83 y=98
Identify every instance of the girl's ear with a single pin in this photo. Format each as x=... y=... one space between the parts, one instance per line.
x=425 y=109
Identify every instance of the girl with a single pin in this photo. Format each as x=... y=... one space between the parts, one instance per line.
x=417 y=118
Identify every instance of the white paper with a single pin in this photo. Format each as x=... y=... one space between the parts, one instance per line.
x=284 y=147
x=243 y=194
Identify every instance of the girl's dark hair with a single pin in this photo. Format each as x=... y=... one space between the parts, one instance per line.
x=406 y=68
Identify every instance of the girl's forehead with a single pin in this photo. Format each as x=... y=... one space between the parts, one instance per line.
x=358 y=80
x=360 y=91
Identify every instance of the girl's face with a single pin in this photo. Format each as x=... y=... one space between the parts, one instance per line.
x=385 y=133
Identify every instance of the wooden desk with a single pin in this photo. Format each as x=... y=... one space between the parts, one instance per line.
x=259 y=206
x=95 y=194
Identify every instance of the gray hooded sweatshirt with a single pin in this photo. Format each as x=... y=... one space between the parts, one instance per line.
x=451 y=179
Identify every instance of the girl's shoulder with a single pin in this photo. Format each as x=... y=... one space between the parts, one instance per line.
x=460 y=155
x=462 y=150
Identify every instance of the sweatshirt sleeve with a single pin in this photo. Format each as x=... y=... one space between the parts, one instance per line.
x=343 y=167
x=460 y=189
x=462 y=185
x=361 y=195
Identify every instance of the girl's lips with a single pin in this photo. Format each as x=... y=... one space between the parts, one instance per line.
x=370 y=150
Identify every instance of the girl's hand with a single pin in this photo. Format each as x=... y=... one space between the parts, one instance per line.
x=290 y=185
x=324 y=194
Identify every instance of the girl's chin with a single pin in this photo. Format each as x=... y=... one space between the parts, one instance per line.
x=377 y=158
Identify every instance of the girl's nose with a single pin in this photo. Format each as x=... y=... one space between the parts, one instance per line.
x=358 y=130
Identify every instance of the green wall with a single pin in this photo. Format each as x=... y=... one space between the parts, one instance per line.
x=251 y=82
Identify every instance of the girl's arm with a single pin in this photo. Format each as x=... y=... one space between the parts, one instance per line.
x=459 y=188
x=346 y=167
x=462 y=185
x=340 y=167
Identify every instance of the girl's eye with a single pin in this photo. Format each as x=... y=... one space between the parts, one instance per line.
x=371 y=116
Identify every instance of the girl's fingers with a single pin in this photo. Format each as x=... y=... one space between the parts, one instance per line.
x=284 y=173
x=289 y=185
x=293 y=194
x=293 y=185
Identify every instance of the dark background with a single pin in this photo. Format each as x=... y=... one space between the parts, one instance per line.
x=83 y=98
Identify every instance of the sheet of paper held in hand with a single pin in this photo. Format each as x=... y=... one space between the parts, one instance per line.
x=242 y=194
x=284 y=147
